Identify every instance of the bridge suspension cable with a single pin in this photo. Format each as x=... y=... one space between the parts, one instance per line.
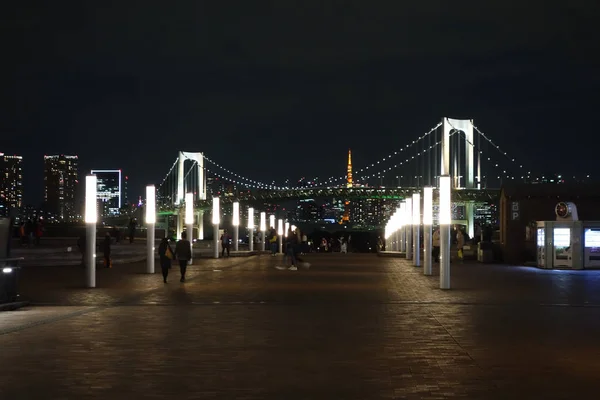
x=382 y=172
x=405 y=148
x=168 y=173
x=252 y=182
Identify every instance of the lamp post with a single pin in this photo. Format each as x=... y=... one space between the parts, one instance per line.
x=402 y=229
x=91 y=217
x=445 y=222
x=150 y=224
x=251 y=228
x=416 y=220
x=408 y=224
x=397 y=229
x=236 y=225
x=189 y=221
x=280 y=234
x=427 y=228
x=216 y=219
x=263 y=229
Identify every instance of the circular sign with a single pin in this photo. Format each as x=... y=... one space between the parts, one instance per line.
x=562 y=210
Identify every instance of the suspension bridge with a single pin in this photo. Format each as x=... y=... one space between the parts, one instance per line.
x=477 y=165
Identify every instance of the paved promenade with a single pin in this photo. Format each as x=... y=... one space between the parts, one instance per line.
x=351 y=327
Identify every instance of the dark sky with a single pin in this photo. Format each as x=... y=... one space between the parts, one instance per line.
x=282 y=88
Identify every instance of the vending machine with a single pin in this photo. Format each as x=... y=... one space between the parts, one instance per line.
x=591 y=244
x=559 y=243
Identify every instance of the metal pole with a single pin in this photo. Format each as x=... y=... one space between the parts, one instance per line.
x=264 y=240
x=445 y=222
x=201 y=225
x=427 y=260
x=150 y=233
x=190 y=235
x=251 y=239
x=409 y=230
x=216 y=240
x=281 y=244
x=236 y=238
x=91 y=254
x=417 y=245
x=416 y=219
x=444 y=256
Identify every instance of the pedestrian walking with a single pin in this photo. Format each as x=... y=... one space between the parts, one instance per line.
x=183 y=253
x=165 y=252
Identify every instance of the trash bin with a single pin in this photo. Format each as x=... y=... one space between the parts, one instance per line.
x=9 y=280
x=485 y=253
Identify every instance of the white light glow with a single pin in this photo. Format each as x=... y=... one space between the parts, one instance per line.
x=216 y=217
x=286 y=229
x=251 y=218
x=402 y=215
x=236 y=213
x=428 y=205
x=189 y=208
x=272 y=221
x=293 y=228
x=408 y=212
x=6 y=270
x=416 y=208
x=91 y=210
x=263 y=221
x=445 y=217
x=150 y=204
x=280 y=227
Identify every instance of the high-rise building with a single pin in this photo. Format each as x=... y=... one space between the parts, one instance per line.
x=60 y=184
x=109 y=190
x=11 y=183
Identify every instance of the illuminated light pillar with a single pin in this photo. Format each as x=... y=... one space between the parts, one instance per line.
x=402 y=227
x=150 y=225
x=409 y=229
x=286 y=229
x=416 y=220
x=201 y=225
x=189 y=221
x=251 y=228
x=272 y=221
x=280 y=233
x=396 y=229
x=236 y=225
x=216 y=219
x=263 y=229
x=445 y=222
x=91 y=218
x=427 y=229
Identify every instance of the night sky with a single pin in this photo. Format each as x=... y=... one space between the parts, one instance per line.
x=282 y=89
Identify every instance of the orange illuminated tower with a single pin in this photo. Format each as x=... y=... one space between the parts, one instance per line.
x=346 y=217
x=349 y=176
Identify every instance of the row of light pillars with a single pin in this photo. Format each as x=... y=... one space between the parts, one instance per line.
x=91 y=218
x=403 y=229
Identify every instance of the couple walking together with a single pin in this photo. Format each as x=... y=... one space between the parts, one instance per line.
x=182 y=253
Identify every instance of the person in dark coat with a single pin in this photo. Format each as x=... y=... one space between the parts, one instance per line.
x=165 y=252
x=106 y=249
x=183 y=253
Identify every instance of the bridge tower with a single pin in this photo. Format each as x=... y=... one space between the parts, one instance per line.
x=349 y=174
x=196 y=185
x=466 y=127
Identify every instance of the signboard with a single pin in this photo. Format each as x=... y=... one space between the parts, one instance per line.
x=514 y=211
